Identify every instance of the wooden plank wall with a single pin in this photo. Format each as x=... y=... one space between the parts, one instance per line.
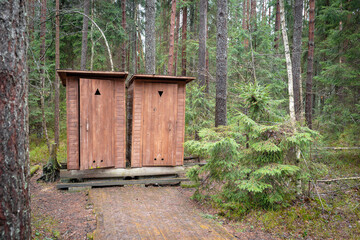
x=136 y=150
x=85 y=121
x=180 y=126
x=72 y=113
x=120 y=131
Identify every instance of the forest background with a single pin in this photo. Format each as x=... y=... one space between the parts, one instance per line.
x=257 y=152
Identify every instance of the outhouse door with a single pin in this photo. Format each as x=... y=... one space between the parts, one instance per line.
x=96 y=123
x=159 y=124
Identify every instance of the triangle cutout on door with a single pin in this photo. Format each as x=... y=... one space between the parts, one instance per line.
x=160 y=93
x=97 y=92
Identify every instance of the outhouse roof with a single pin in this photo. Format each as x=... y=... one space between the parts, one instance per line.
x=89 y=74
x=158 y=78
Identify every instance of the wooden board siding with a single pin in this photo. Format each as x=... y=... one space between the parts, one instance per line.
x=159 y=124
x=136 y=149
x=180 y=125
x=98 y=118
x=72 y=112
x=120 y=128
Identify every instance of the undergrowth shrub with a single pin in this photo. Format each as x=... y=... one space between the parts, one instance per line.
x=251 y=163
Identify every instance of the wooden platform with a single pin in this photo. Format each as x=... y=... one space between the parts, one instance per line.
x=120 y=172
x=111 y=183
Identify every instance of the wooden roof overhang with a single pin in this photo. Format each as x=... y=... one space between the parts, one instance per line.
x=158 y=79
x=63 y=74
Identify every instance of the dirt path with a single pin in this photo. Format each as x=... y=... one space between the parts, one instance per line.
x=136 y=212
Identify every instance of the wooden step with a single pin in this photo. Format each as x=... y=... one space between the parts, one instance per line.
x=108 y=183
x=121 y=172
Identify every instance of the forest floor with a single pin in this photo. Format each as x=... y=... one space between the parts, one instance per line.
x=132 y=212
x=71 y=215
x=59 y=214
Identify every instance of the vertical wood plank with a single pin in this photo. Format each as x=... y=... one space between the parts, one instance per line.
x=136 y=148
x=101 y=124
x=180 y=127
x=72 y=113
x=120 y=137
x=85 y=109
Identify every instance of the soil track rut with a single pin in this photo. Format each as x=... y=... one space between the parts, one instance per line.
x=135 y=212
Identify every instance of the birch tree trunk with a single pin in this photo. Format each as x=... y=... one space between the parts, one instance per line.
x=14 y=145
x=202 y=42
x=296 y=57
x=84 y=42
x=172 y=38
x=288 y=64
x=150 y=37
x=221 y=63
x=310 y=65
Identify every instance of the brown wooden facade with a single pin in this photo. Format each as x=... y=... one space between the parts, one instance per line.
x=156 y=120
x=95 y=119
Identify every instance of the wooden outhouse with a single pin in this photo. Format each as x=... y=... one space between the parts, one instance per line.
x=95 y=119
x=156 y=120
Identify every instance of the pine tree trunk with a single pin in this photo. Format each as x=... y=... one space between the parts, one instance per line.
x=85 y=35
x=202 y=42
x=134 y=38
x=42 y=72
x=207 y=89
x=92 y=37
x=310 y=64
x=57 y=66
x=277 y=25
x=296 y=57
x=288 y=64
x=253 y=25
x=244 y=19
x=183 y=42
x=150 y=37
x=221 y=63
x=172 y=39
x=176 y=42
x=123 y=24
x=14 y=145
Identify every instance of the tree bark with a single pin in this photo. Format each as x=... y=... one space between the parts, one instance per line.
x=172 y=38
x=277 y=25
x=42 y=70
x=221 y=63
x=57 y=66
x=123 y=24
x=14 y=145
x=183 y=42
x=176 y=42
x=310 y=65
x=244 y=18
x=253 y=24
x=150 y=37
x=288 y=64
x=92 y=37
x=202 y=42
x=85 y=35
x=134 y=37
x=296 y=57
